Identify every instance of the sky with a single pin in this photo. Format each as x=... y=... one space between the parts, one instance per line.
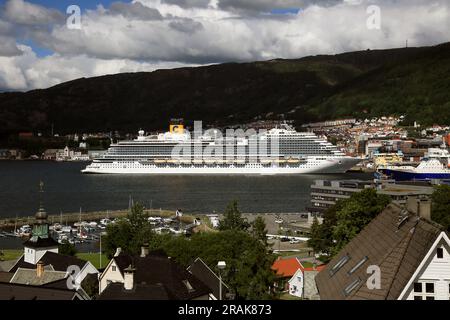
x=42 y=45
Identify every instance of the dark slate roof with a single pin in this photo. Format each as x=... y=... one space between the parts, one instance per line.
x=59 y=262
x=41 y=243
x=6 y=276
x=157 y=269
x=201 y=270
x=10 y=291
x=397 y=248
x=116 y=291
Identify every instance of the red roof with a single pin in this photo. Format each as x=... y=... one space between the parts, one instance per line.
x=288 y=267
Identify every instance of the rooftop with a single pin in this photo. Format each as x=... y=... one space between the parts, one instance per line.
x=396 y=240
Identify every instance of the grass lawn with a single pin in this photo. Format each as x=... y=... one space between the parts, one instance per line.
x=287 y=296
x=11 y=254
x=94 y=258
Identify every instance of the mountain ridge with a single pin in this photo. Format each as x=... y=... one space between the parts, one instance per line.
x=410 y=81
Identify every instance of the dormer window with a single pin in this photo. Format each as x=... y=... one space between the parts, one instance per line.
x=440 y=253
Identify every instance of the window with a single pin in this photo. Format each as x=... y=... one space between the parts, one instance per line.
x=352 y=286
x=440 y=253
x=418 y=287
x=339 y=264
x=418 y=298
x=429 y=287
x=429 y=298
x=359 y=264
x=113 y=268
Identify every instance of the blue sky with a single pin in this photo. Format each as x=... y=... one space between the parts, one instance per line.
x=63 y=4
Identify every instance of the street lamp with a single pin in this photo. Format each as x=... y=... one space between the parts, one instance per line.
x=221 y=265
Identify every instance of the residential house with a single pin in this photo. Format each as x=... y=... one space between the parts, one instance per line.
x=400 y=255
x=41 y=248
x=150 y=276
x=204 y=273
x=285 y=269
x=303 y=284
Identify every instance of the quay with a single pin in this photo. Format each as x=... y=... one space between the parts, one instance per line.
x=69 y=218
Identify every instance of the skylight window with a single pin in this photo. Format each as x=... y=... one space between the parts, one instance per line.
x=352 y=286
x=339 y=264
x=359 y=264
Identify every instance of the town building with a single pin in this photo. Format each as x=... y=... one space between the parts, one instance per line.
x=303 y=284
x=325 y=193
x=149 y=276
x=41 y=261
x=400 y=255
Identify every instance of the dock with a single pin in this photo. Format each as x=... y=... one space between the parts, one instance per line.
x=70 y=218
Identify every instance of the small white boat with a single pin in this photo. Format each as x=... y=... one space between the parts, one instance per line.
x=93 y=224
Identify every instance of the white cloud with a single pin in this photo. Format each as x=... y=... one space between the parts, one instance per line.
x=147 y=33
x=22 y=12
x=29 y=71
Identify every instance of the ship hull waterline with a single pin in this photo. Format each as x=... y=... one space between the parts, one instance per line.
x=326 y=167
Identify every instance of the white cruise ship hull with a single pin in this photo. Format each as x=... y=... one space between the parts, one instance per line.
x=337 y=165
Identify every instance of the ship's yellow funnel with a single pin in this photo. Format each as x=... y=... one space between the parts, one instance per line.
x=176 y=128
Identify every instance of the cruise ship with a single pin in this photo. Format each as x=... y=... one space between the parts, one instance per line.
x=281 y=150
x=435 y=165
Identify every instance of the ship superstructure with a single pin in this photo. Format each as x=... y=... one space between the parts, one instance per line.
x=281 y=150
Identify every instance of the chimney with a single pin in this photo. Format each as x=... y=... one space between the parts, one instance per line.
x=129 y=278
x=39 y=269
x=144 y=250
x=425 y=209
x=118 y=251
x=412 y=205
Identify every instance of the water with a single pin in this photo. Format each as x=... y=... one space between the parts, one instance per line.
x=66 y=190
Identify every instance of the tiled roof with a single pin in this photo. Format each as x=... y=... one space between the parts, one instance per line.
x=59 y=262
x=396 y=241
x=286 y=267
x=201 y=270
x=116 y=291
x=5 y=276
x=41 y=243
x=160 y=270
x=12 y=291
x=29 y=277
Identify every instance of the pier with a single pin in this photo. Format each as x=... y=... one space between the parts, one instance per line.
x=70 y=218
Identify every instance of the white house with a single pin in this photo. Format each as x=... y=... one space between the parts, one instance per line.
x=303 y=286
x=400 y=255
x=431 y=280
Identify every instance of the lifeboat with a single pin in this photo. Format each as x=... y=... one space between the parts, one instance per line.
x=197 y=162
x=160 y=161
x=293 y=161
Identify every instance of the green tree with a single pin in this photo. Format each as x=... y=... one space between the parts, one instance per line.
x=345 y=220
x=90 y=286
x=356 y=212
x=440 y=210
x=248 y=272
x=233 y=219
x=129 y=234
x=67 y=248
x=259 y=230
